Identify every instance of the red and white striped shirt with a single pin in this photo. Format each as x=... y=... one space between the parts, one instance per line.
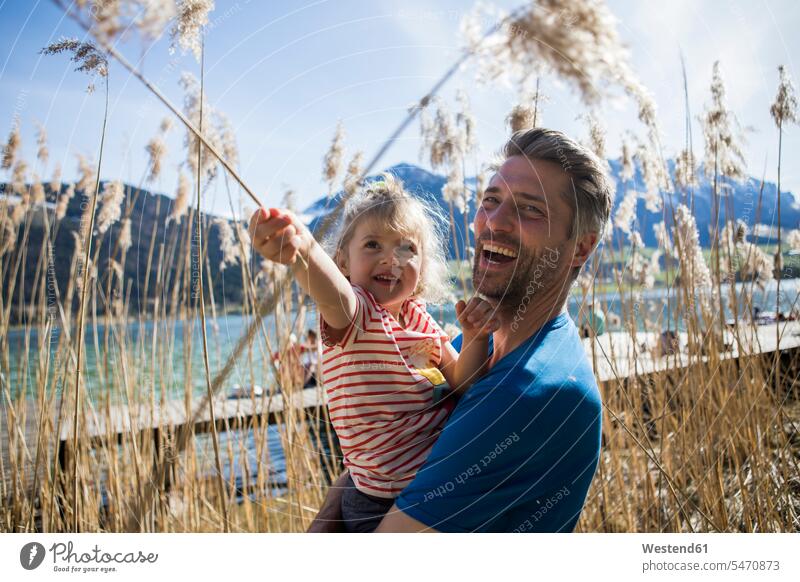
x=380 y=405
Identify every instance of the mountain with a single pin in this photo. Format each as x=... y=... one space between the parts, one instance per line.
x=747 y=200
x=419 y=182
x=148 y=213
x=744 y=198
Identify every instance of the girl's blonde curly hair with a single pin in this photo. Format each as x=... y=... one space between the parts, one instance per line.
x=388 y=203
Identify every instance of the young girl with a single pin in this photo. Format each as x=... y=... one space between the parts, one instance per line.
x=383 y=352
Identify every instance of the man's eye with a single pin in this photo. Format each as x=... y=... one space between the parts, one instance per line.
x=533 y=209
x=489 y=198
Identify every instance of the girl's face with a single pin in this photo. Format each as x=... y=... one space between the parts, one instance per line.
x=382 y=261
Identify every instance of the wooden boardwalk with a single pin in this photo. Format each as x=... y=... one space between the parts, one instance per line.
x=233 y=412
x=112 y=423
x=617 y=356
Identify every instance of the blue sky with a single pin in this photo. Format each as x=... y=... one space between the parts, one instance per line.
x=286 y=72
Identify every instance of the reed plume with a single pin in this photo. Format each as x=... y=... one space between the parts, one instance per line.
x=181 y=203
x=663 y=240
x=465 y=121
x=522 y=116
x=55 y=179
x=193 y=104
x=227 y=137
x=784 y=108
x=63 y=201
x=42 y=152
x=186 y=33
x=722 y=133
x=442 y=138
x=353 y=174
x=85 y=54
x=8 y=233
x=626 y=162
x=11 y=147
x=244 y=240
x=37 y=191
x=86 y=174
x=754 y=263
x=576 y=40
x=156 y=149
x=687 y=238
x=626 y=211
x=113 y=196
x=227 y=242
x=454 y=191
x=685 y=174
x=597 y=135
x=18 y=180
x=793 y=239
x=154 y=17
x=125 y=241
x=654 y=176
x=332 y=161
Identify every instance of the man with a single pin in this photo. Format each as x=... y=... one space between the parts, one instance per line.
x=520 y=449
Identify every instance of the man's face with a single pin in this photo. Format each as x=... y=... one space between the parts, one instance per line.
x=521 y=232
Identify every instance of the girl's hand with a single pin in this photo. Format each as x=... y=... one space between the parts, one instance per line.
x=478 y=318
x=279 y=236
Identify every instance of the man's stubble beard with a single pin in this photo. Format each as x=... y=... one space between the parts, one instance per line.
x=522 y=281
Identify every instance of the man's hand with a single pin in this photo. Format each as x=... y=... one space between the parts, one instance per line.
x=279 y=236
x=478 y=318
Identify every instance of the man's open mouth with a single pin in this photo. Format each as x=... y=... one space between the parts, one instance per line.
x=493 y=254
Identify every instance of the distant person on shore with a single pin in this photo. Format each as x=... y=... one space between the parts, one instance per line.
x=383 y=352
x=309 y=357
x=520 y=449
x=594 y=324
x=299 y=357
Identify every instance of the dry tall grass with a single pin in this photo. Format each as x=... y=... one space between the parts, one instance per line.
x=710 y=444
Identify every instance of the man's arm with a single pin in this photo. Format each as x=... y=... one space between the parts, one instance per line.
x=395 y=521
x=329 y=517
x=500 y=447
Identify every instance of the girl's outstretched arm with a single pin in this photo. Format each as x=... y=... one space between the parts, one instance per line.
x=279 y=236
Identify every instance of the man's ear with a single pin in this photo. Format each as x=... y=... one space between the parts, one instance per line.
x=584 y=246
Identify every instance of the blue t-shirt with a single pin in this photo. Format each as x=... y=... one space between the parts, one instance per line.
x=521 y=447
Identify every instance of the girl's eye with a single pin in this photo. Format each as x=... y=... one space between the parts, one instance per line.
x=371 y=244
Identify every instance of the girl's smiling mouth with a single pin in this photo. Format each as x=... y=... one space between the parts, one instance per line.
x=386 y=279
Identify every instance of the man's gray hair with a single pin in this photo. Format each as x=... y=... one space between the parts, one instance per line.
x=590 y=198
